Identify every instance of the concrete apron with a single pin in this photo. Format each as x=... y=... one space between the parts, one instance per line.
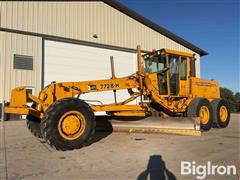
x=3 y=160
x=3 y=156
x=171 y=125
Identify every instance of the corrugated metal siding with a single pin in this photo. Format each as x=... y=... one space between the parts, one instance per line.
x=11 y=44
x=75 y=20
x=80 y=20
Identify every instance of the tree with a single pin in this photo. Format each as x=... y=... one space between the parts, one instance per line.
x=228 y=95
x=237 y=97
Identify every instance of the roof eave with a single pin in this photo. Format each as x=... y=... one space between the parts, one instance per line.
x=124 y=9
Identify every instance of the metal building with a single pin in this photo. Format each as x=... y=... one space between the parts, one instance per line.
x=49 y=41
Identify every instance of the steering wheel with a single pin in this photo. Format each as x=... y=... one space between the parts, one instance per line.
x=163 y=71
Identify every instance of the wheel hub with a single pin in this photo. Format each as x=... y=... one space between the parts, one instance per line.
x=204 y=115
x=71 y=125
x=223 y=113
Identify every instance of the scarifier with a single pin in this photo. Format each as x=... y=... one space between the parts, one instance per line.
x=165 y=80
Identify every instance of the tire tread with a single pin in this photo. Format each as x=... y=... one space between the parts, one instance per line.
x=48 y=131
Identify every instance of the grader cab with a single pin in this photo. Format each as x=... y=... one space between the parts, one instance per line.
x=164 y=83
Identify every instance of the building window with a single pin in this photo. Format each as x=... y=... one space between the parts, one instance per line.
x=23 y=62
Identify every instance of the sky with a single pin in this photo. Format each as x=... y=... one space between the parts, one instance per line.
x=212 y=25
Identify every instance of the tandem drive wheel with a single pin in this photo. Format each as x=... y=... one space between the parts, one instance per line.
x=201 y=107
x=68 y=124
x=221 y=113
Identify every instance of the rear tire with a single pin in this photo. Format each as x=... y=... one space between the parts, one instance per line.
x=201 y=107
x=221 y=113
x=68 y=124
x=33 y=124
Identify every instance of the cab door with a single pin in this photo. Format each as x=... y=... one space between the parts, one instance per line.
x=184 y=68
x=155 y=67
x=174 y=74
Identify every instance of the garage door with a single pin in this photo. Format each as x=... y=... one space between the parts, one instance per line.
x=71 y=62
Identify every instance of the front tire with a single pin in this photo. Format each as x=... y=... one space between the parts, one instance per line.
x=33 y=124
x=68 y=124
x=201 y=107
x=221 y=113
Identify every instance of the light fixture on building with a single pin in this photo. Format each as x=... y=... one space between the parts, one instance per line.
x=95 y=36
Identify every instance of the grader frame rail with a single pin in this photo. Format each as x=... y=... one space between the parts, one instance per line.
x=68 y=122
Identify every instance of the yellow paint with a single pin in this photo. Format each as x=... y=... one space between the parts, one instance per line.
x=24 y=110
x=223 y=113
x=131 y=113
x=18 y=97
x=168 y=51
x=157 y=130
x=71 y=125
x=147 y=84
x=113 y=107
x=16 y=110
x=184 y=85
x=204 y=114
x=205 y=88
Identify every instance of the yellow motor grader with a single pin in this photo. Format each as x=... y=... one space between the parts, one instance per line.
x=165 y=77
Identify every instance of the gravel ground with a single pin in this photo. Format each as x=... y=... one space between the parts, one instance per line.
x=117 y=155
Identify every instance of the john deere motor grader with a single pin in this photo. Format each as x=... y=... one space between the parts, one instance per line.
x=165 y=77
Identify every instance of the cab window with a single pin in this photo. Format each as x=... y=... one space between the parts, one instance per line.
x=174 y=73
x=155 y=64
x=183 y=68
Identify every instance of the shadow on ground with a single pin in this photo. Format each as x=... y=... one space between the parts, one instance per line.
x=156 y=169
x=104 y=127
